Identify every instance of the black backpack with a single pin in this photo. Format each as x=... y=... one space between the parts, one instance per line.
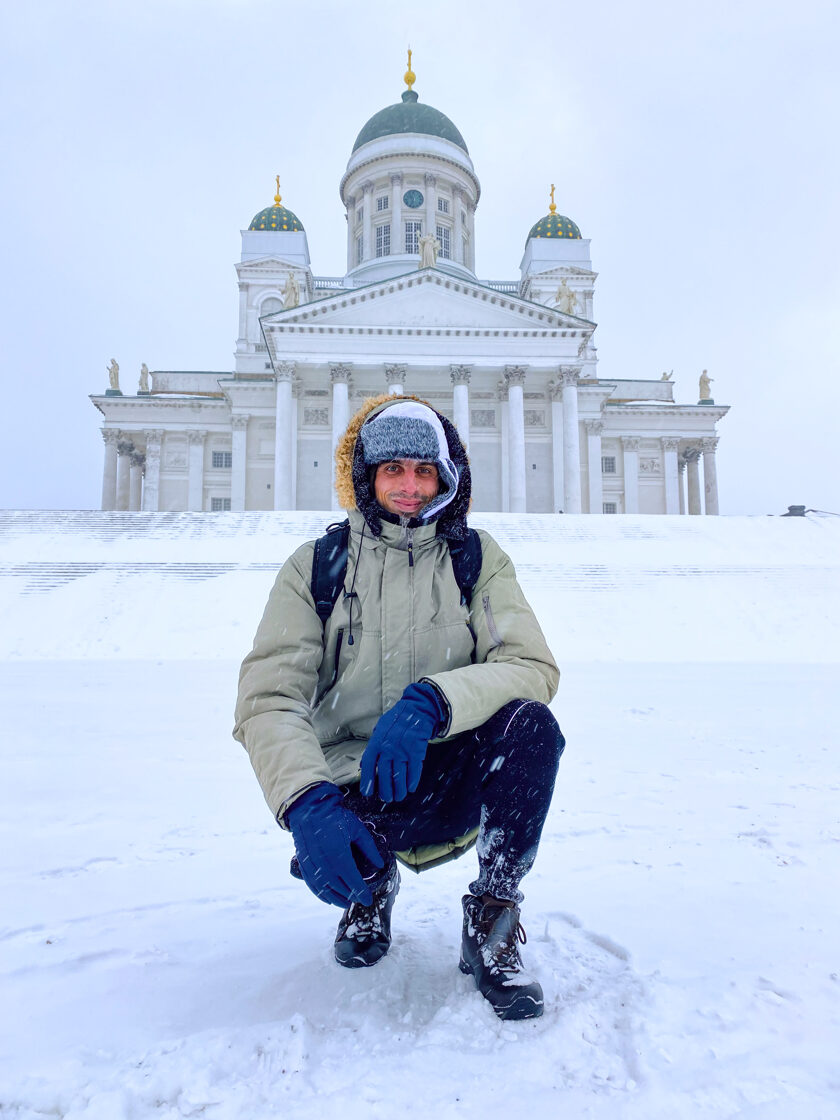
x=329 y=566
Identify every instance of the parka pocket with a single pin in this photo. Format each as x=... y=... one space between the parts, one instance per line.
x=495 y=636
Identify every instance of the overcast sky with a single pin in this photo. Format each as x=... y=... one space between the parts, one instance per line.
x=696 y=144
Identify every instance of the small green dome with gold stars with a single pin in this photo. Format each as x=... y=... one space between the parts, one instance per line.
x=277 y=217
x=554 y=224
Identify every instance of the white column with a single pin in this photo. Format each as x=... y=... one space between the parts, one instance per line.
x=135 y=480
x=504 y=445
x=397 y=235
x=285 y=371
x=367 y=220
x=631 y=473
x=395 y=379
x=670 y=448
x=351 y=226
x=681 y=480
x=458 y=247
x=692 y=462
x=124 y=449
x=111 y=436
x=239 y=460
x=151 y=487
x=243 y=312
x=557 y=447
x=515 y=378
x=340 y=377
x=430 y=182
x=710 y=487
x=195 y=484
x=293 y=437
x=460 y=378
x=593 y=454
x=569 y=376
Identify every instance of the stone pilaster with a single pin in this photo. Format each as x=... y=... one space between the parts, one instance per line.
x=708 y=446
x=124 y=450
x=283 y=499
x=569 y=377
x=458 y=231
x=460 y=378
x=397 y=232
x=681 y=470
x=430 y=183
x=239 y=460
x=594 y=428
x=692 y=463
x=504 y=444
x=367 y=221
x=631 y=445
x=558 y=474
x=151 y=483
x=340 y=373
x=195 y=484
x=515 y=380
x=395 y=379
x=670 y=456
x=111 y=437
x=351 y=231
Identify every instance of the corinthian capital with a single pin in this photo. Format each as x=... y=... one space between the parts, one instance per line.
x=515 y=375
x=111 y=435
x=631 y=443
x=460 y=375
x=594 y=427
x=670 y=443
x=340 y=372
x=569 y=375
x=395 y=371
x=285 y=371
x=708 y=444
x=196 y=435
x=239 y=423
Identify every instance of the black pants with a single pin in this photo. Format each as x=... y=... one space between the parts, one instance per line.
x=499 y=777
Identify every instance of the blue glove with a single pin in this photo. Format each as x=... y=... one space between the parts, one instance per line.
x=394 y=755
x=327 y=838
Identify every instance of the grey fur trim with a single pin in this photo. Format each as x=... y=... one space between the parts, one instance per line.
x=399 y=437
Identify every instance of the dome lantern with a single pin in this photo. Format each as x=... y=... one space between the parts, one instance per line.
x=277 y=218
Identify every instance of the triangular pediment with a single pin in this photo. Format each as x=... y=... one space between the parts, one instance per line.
x=559 y=272
x=427 y=299
x=267 y=266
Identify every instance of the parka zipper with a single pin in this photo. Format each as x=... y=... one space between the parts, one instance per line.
x=495 y=636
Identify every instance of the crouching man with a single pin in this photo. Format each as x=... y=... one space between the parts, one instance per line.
x=394 y=703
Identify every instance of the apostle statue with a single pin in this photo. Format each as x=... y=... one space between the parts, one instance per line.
x=291 y=292
x=113 y=374
x=144 y=378
x=667 y=376
x=429 y=249
x=705 y=386
x=566 y=300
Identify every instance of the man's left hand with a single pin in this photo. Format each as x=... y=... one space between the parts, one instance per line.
x=393 y=758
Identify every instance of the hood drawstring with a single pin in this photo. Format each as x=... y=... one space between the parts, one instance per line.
x=351 y=594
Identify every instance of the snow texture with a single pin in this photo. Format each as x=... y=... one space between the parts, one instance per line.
x=158 y=961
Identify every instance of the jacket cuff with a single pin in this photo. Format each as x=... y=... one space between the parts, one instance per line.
x=442 y=729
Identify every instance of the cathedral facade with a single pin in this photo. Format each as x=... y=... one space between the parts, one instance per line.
x=512 y=363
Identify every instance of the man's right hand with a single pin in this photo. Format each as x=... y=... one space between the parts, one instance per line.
x=325 y=833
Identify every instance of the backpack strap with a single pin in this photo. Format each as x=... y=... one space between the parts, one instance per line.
x=466 y=563
x=329 y=565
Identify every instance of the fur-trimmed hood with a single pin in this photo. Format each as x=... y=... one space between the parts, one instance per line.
x=352 y=478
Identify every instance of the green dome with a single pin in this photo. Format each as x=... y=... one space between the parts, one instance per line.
x=410 y=116
x=554 y=225
x=277 y=218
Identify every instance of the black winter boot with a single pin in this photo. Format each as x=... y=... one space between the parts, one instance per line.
x=364 y=932
x=489 y=952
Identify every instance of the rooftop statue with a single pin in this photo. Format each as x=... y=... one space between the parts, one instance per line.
x=113 y=374
x=429 y=249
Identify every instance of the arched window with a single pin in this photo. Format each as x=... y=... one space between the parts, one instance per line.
x=272 y=303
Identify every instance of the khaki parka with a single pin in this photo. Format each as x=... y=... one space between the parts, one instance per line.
x=303 y=719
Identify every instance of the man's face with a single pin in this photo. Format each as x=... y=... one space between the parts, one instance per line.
x=405 y=486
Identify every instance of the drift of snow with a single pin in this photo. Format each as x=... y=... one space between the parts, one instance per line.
x=159 y=962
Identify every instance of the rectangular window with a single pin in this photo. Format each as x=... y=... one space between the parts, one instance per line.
x=223 y=459
x=610 y=507
x=412 y=236
x=219 y=505
x=382 y=202
x=360 y=246
x=383 y=240
x=443 y=205
x=608 y=466
x=443 y=235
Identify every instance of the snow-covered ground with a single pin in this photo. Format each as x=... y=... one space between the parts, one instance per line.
x=159 y=962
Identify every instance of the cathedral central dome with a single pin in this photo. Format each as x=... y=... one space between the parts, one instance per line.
x=408 y=115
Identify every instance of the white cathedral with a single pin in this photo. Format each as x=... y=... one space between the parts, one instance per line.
x=512 y=363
